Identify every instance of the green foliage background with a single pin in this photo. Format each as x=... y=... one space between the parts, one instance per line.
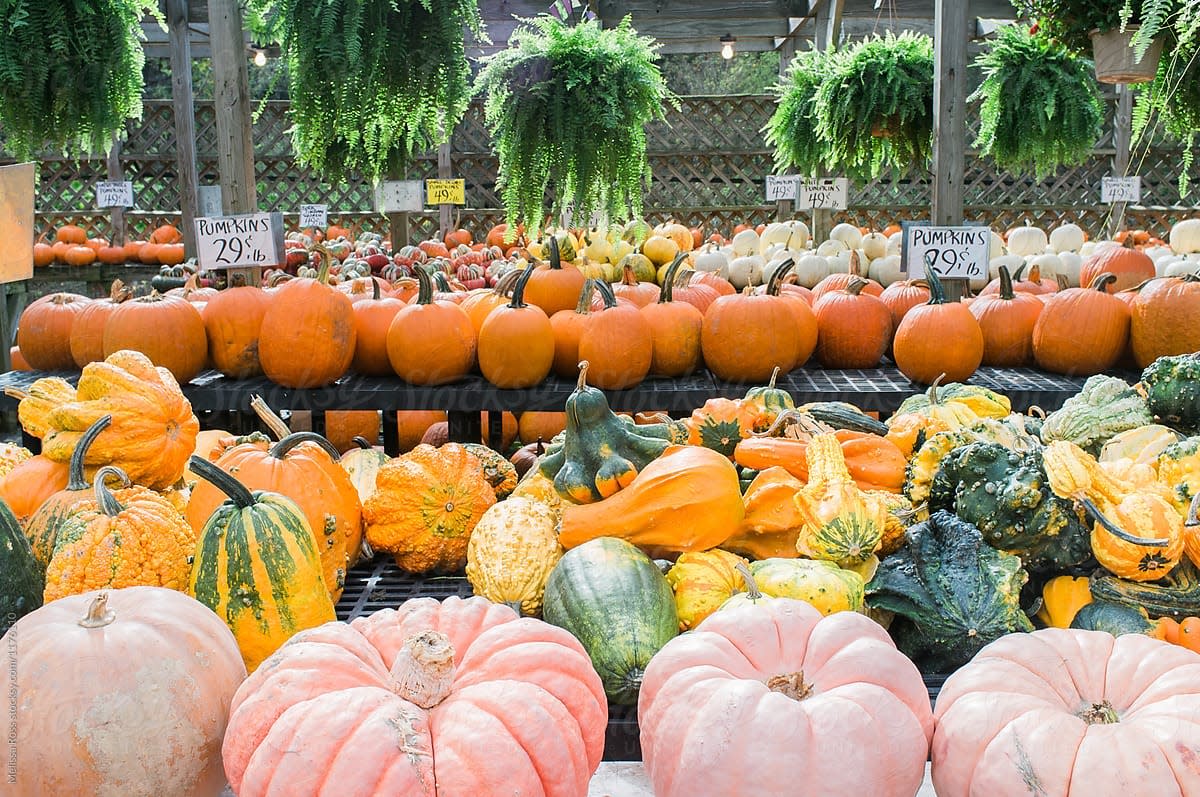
x=372 y=82
x=793 y=130
x=1040 y=106
x=568 y=106
x=70 y=72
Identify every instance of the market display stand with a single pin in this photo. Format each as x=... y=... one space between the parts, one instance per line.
x=226 y=402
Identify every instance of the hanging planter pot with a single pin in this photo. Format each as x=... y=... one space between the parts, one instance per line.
x=1116 y=60
x=884 y=127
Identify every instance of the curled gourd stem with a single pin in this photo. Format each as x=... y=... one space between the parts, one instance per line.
x=808 y=424
x=772 y=288
x=518 y=291
x=933 y=389
x=76 y=480
x=326 y=261
x=361 y=442
x=1118 y=532
x=281 y=448
x=273 y=422
x=1036 y=412
x=423 y=671
x=1193 y=516
x=856 y=285
x=98 y=614
x=582 y=382
x=16 y=392
x=752 y=590
x=108 y=502
x=225 y=482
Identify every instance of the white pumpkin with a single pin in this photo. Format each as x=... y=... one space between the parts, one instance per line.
x=1182 y=268
x=811 y=269
x=1026 y=241
x=849 y=260
x=1157 y=253
x=1050 y=265
x=774 y=265
x=1164 y=264
x=1013 y=262
x=1071 y=264
x=1089 y=248
x=712 y=258
x=776 y=233
x=1066 y=238
x=895 y=243
x=800 y=235
x=746 y=270
x=745 y=243
x=848 y=234
x=1185 y=236
x=831 y=247
x=996 y=248
x=885 y=270
x=875 y=245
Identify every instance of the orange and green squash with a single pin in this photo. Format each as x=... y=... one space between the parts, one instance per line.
x=702 y=581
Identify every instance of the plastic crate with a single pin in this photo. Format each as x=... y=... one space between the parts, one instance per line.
x=379 y=584
x=622 y=739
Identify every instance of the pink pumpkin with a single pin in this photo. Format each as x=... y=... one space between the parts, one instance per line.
x=1070 y=712
x=775 y=698
x=463 y=694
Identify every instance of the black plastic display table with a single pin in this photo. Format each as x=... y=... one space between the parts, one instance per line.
x=876 y=390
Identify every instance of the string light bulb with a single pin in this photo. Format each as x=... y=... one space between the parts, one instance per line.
x=727 y=43
x=260 y=58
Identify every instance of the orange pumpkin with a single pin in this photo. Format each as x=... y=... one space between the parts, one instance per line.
x=498 y=236
x=43 y=254
x=459 y=237
x=479 y=304
x=342 y=426
x=939 y=338
x=307 y=336
x=508 y=429
x=553 y=286
x=44 y=331
x=372 y=319
x=167 y=329
x=1165 y=319
x=87 y=331
x=534 y=426
x=166 y=234
x=640 y=293
x=79 y=255
x=430 y=342
x=170 y=254
x=111 y=255
x=132 y=251
x=745 y=337
x=1129 y=266
x=27 y=486
x=1081 y=331
x=839 y=282
x=900 y=297
x=854 y=327
x=1007 y=321
x=516 y=343
x=674 y=331
x=567 y=327
x=70 y=234
x=617 y=342
x=19 y=363
x=413 y=424
x=233 y=320
x=148 y=254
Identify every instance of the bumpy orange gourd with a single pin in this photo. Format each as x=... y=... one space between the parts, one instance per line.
x=425 y=506
x=130 y=538
x=702 y=582
x=686 y=500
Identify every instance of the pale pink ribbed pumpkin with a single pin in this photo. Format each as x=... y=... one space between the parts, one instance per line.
x=1070 y=712
x=455 y=698
x=775 y=699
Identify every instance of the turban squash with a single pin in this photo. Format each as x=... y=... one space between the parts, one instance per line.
x=432 y=698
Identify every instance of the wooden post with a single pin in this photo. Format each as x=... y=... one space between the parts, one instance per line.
x=1122 y=142
x=231 y=94
x=185 y=119
x=115 y=174
x=787 y=51
x=398 y=230
x=949 y=120
x=828 y=35
x=445 y=170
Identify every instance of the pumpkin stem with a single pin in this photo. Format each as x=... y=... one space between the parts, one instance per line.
x=932 y=393
x=584 y=305
x=281 y=448
x=607 y=294
x=1006 y=285
x=16 y=392
x=374 y=289
x=774 y=376
x=1102 y=281
x=628 y=277
x=937 y=294
x=665 y=294
x=326 y=262
x=504 y=285
x=423 y=671
x=1101 y=713
x=1019 y=274
x=108 y=502
x=76 y=479
x=98 y=614
x=222 y=480
x=518 y=291
x=1036 y=412
x=856 y=285
x=555 y=257
x=119 y=292
x=424 y=286
x=1117 y=532
x=275 y=425
x=777 y=276
x=361 y=442
x=791 y=685
x=581 y=384
x=752 y=590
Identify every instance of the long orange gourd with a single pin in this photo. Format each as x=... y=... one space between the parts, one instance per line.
x=772 y=521
x=686 y=500
x=875 y=462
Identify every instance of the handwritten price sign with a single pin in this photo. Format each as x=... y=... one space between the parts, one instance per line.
x=255 y=239
x=446 y=192
x=781 y=187
x=952 y=252
x=114 y=194
x=828 y=193
x=1120 y=189
x=314 y=215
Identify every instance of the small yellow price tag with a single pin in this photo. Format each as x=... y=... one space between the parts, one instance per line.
x=445 y=192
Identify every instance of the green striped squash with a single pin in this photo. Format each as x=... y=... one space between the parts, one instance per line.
x=257 y=566
x=618 y=604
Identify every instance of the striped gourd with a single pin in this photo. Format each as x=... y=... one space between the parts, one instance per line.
x=257 y=566
x=43 y=526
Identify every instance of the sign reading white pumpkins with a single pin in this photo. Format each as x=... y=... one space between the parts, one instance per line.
x=952 y=252
x=253 y=239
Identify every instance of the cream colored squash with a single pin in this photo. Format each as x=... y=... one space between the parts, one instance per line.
x=511 y=552
x=745 y=243
x=848 y=234
x=1026 y=241
x=1066 y=238
x=1184 y=237
x=875 y=245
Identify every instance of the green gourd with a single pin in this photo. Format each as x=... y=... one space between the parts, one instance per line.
x=22 y=577
x=1114 y=618
x=1172 y=386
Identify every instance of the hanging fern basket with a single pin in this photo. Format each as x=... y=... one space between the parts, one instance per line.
x=1117 y=61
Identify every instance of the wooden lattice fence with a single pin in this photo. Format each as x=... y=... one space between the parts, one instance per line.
x=708 y=161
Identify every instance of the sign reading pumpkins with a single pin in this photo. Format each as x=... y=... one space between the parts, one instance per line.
x=114 y=194
x=952 y=252
x=446 y=192
x=253 y=239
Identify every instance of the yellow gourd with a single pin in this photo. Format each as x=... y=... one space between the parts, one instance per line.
x=1062 y=598
x=702 y=581
x=512 y=550
x=752 y=595
x=823 y=585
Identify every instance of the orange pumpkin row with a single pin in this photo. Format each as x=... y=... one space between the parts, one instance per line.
x=72 y=247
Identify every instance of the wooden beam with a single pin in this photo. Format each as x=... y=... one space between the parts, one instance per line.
x=117 y=215
x=445 y=169
x=1122 y=141
x=231 y=94
x=185 y=118
x=949 y=111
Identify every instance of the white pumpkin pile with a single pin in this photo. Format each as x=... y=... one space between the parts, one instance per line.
x=1181 y=255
